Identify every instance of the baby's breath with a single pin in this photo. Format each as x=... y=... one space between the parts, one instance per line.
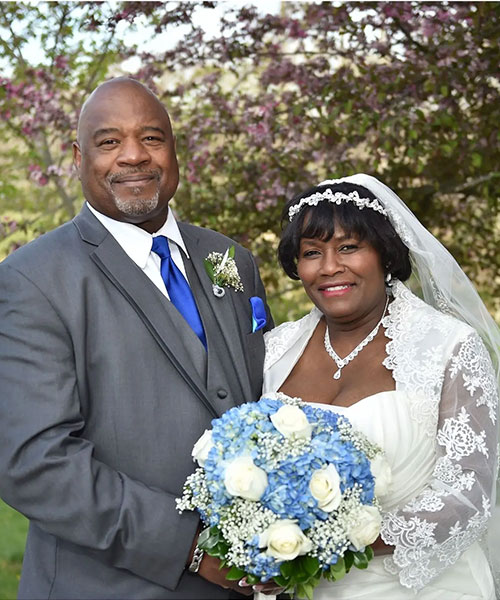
x=226 y=275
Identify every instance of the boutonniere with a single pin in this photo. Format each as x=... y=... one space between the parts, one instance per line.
x=223 y=272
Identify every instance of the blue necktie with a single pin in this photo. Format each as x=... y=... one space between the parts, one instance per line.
x=178 y=288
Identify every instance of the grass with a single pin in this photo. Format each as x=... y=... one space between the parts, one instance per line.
x=13 y=528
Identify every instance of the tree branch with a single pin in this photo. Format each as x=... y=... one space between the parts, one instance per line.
x=14 y=49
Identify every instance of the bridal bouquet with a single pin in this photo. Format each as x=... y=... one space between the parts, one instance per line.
x=287 y=492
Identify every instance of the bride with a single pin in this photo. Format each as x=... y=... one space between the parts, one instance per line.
x=414 y=375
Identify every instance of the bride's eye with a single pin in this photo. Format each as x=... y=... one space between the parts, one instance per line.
x=348 y=248
x=309 y=253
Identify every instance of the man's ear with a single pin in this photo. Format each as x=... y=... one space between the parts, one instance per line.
x=77 y=157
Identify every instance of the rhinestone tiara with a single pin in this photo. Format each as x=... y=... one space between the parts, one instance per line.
x=337 y=198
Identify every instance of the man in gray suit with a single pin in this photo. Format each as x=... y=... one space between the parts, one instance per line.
x=104 y=386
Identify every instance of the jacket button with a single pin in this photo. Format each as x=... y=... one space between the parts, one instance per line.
x=221 y=393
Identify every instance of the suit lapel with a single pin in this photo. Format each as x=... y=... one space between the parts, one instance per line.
x=157 y=314
x=223 y=310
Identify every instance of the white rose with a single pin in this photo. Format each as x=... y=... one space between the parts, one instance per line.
x=244 y=479
x=381 y=470
x=367 y=527
x=292 y=422
x=325 y=488
x=202 y=448
x=284 y=540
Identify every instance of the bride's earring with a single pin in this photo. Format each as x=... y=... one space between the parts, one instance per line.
x=388 y=279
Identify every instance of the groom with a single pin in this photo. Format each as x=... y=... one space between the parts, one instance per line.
x=115 y=355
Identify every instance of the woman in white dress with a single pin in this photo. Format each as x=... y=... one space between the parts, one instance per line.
x=415 y=375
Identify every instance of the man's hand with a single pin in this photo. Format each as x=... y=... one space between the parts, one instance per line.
x=211 y=571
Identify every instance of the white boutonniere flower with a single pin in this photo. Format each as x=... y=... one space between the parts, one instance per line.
x=223 y=272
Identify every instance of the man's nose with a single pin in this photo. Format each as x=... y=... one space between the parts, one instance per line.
x=133 y=152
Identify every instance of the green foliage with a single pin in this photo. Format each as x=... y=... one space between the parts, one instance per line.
x=407 y=91
x=13 y=527
x=298 y=577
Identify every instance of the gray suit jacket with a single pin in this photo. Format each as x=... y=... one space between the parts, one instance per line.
x=104 y=389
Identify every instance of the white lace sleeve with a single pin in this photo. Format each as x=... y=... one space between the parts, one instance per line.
x=432 y=530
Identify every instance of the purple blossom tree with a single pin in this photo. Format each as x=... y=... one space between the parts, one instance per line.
x=406 y=91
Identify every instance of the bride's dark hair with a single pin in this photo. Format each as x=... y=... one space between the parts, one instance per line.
x=319 y=222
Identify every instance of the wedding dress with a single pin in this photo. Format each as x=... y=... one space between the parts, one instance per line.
x=438 y=431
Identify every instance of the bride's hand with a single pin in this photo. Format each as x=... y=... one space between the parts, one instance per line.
x=380 y=547
x=270 y=588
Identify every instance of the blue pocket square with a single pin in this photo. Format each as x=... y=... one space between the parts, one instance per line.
x=259 y=318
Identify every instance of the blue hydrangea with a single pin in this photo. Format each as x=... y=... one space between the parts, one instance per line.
x=247 y=430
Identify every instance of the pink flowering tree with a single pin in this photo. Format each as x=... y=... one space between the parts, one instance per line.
x=274 y=103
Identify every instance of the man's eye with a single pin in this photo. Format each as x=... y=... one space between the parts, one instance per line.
x=152 y=138
x=108 y=142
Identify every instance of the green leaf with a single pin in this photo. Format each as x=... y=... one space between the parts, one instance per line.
x=287 y=569
x=477 y=159
x=231 y=252
x=204 y=536
x=219 y=550
x=280 y=580
x=369 y=552
x=308 y=589
x=234 y=574
x=300 y=574
x=360 y=560
x=338 y=567
x=348 y=560
x=252 y=579
x=209 y=268
x=336 y=571
x=310 y=564
x=212 y=542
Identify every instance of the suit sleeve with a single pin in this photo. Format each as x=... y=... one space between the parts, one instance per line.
x=48 y=471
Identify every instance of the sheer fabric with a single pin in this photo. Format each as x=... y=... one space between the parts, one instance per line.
x=444 y=370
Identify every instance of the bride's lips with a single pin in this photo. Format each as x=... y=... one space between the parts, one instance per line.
x=336 y=289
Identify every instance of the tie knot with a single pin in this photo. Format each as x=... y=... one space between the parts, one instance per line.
x=160 y=246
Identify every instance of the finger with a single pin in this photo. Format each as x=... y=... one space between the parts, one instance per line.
x=244 y=591
x=268 y=590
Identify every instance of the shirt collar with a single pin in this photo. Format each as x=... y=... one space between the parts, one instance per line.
x=136 y=242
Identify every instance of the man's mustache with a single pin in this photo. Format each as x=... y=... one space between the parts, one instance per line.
x=114 y=177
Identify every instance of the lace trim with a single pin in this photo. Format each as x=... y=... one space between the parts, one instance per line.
x=470 y=361
x=459 y=439
x=278 y=339
x=416 y=353
x=452 y=475
x=417 y=557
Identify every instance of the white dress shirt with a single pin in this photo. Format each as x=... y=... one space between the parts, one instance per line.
x=137 y=244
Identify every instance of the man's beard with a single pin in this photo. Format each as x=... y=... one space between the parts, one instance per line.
x=137 y=205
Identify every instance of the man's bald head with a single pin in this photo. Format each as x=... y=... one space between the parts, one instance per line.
x=112 y=87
